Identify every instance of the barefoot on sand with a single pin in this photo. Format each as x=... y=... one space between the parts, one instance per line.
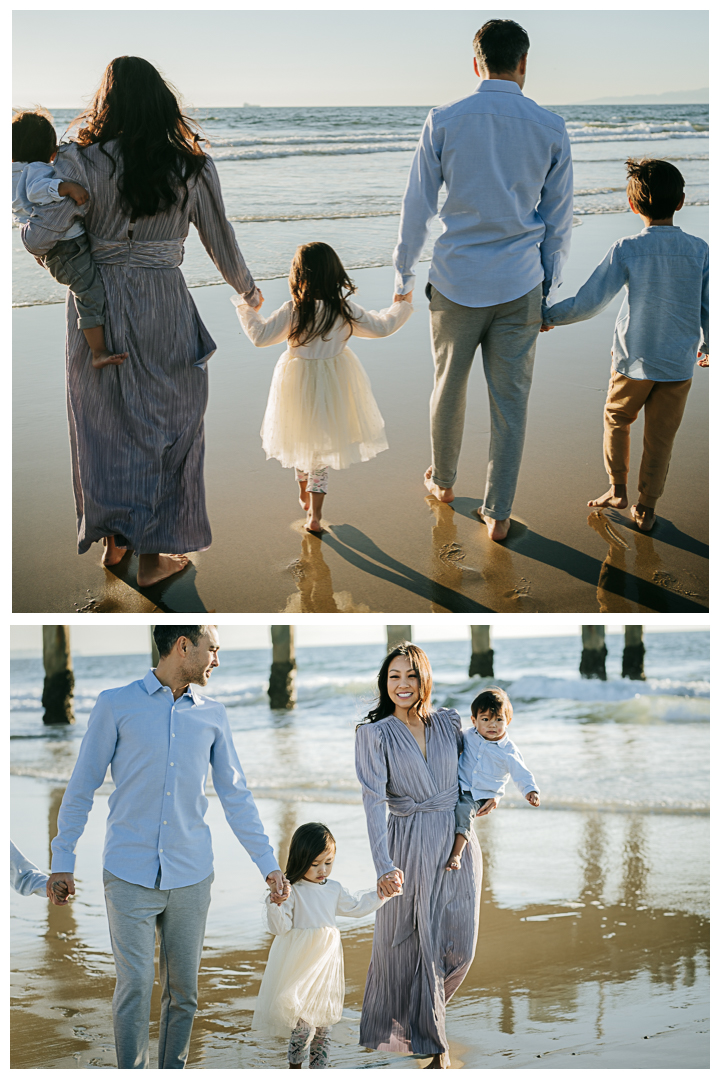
x=643 y=516
x=304 y=497
x=102 y=358
x=112 y=554
x=497 y=530
x=154 y=568
x=445 y=495
x=616 y=497
x=439 y=1061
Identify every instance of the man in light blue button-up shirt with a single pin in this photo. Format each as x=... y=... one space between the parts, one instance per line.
x=507 y=220
x=158 y=736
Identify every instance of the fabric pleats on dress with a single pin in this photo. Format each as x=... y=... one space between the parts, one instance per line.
x=303 y=980
x=322 y=412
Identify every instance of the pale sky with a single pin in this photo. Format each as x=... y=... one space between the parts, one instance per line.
x=358 y=57
x=94 y=640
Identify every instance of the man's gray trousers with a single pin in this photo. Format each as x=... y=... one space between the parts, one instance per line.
x=135 y=915
x=507 y=334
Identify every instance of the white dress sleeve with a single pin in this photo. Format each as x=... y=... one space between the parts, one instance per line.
x=376 y=324
x=263 y=332
x=25 y=877
x=280 y=916
x=354 y=906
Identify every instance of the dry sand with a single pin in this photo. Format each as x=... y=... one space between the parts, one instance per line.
x=593 y=947
x=387 y=548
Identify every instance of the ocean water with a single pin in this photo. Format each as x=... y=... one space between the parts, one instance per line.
x=617 y=745
x=292 y=175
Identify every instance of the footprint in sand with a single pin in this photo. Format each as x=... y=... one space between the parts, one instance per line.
x=601 y=525
x=521 y=590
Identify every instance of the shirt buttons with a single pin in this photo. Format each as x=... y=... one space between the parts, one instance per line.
x=173 y=734
x=171 y=764
x=164 y=822
x=167 y=792
x=161 y=851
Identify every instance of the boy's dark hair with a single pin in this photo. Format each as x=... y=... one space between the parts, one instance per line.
x=33 y=136
x=655 y=187
x=166 y=636
x=493 y=700
x=500 y=45
x=307 y=843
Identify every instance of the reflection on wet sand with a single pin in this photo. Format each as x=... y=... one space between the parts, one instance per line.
x=604 y=975
x=314 y=582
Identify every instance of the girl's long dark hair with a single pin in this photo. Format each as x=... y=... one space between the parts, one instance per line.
x=307 y=843
x=159 y=146
x=317 y=274
x=421 y=664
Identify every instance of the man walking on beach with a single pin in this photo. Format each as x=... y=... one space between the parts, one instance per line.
x=507 y=220
x=158 y=735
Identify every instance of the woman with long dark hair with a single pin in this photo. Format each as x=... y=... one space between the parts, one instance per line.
x=424 y=942
x=136 y=430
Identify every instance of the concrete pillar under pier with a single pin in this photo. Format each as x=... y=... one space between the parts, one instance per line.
x=481 y=656
x=281 y=689
x=397 y=635
x=633 y=662
x=57 y=696
x=594 y=651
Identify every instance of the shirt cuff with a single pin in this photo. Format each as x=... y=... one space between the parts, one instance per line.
x=267 y=864
x=252 y=299
x=62 y=863
x=404 y=283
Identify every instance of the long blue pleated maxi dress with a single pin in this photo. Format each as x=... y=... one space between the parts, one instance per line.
x=425 y=939
x=136 y=431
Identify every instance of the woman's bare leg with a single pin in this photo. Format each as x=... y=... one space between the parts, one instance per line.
x=154 y=568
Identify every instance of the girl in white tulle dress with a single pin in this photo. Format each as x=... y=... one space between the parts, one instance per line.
x=321 y=413
x=303 y=987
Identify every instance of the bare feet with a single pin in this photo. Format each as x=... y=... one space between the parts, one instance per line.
x=497 y=530
x=102 y=357
x=453 y=863
x=643 y=516
x=112 y=554
x=616 y=497
x=291 y=1066
x=304 y=497
x=439 y=1061
x=314 y=514
x=154 y=568
x=442 y=494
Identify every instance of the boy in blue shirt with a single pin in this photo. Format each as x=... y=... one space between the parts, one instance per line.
x=661 y=328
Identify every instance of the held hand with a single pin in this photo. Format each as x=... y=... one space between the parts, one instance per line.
x=544 y=328
x=704 y=360
x=390 y=884
x=77 y=193
x=533 y=798
x=403 y=296
x=261 y=302
x=65 y=888
x=279 y=886
x=489 y=806
x=39 y=261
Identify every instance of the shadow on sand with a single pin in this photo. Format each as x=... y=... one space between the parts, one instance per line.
x=176 y=594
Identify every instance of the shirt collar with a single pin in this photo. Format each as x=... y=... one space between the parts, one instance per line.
x=505 y=86
x=492 y=742
x=152 y=684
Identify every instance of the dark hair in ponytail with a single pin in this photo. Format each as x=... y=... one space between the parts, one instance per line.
x=307 y=843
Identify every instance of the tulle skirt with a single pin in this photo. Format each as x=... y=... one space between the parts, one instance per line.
x=304 y=979
x=322 y=412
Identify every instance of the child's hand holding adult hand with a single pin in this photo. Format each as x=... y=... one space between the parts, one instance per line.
x=403 y=296
x=279 y=886
x=260 y=303
x=489 y=806
x=704 y=360
x=390 y=884
x=544 y=328
x=533 y=798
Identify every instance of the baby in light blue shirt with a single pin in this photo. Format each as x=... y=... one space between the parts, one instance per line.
x=662 y=327
x=489 y=759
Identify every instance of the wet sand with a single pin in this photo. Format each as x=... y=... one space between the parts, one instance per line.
x=593 y=946
x=387 y=547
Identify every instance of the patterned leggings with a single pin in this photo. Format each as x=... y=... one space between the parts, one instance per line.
x=317 y=480
x=304 y=1036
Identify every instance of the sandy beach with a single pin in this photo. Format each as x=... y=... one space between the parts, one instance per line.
x=386 y=546
x=592 y=954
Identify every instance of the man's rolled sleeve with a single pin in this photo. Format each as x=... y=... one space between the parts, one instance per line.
x=556 y=210
x=96 y=753
x=419 y=207
x=237 y=801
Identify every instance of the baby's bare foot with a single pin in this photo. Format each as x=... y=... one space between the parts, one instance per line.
x=442 y=494
x=102 y=357
x=643 y=516
x=616 y=497
x=154 y=568
x=453 y=863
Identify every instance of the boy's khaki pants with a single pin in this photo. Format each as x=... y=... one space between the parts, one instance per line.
x=664 y=404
